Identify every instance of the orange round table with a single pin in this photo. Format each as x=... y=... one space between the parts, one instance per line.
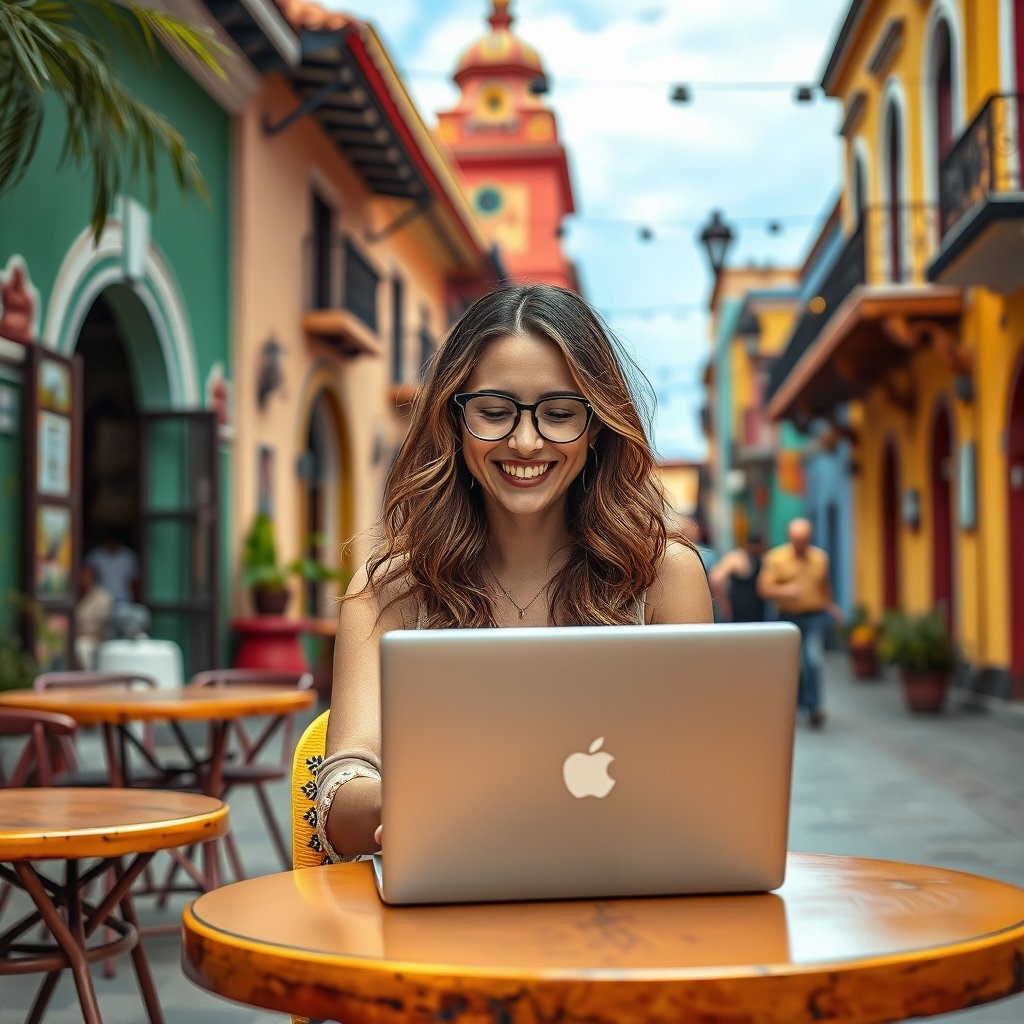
x=844 y=940
x=101 y=826
x=115 y=708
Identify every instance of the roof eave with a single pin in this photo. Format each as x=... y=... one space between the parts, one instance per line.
x=843 y=45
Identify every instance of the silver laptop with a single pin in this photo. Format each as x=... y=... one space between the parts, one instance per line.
x=524 y=764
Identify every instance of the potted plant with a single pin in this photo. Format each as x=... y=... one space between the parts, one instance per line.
x=266 y=578
x=921 y=647
x=862 y=644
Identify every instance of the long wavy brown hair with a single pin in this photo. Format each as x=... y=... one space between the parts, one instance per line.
x=433 y=525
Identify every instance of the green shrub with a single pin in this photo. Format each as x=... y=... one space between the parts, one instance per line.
x=920 y=643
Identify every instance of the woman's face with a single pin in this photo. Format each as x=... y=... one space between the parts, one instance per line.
x=524 y=473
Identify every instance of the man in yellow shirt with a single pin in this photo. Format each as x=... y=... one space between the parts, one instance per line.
x=795 y=577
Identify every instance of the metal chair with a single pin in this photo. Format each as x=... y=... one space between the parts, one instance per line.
x=33 y=741
x=76 y=776
x=252 y=761
x=35 y=736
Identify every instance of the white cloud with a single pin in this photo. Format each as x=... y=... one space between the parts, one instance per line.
x=637 y=157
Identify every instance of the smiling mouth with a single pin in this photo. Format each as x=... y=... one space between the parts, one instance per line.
x=519 y=472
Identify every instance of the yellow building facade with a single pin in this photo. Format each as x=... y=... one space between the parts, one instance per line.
x=919 y=325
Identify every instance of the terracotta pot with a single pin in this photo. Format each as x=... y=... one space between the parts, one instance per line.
x=925 y=690
x=864 y=661
x=270 y=600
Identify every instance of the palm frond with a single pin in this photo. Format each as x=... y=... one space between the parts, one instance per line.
x=21 y=119
x=108 y=130
x=135 y=23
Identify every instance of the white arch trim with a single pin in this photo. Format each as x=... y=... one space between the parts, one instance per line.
x=941 y=12
x=88 y=269
x=1007 y=50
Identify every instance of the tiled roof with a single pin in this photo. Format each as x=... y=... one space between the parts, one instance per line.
x=304 y=14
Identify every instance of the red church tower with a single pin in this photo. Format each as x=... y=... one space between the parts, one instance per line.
x=504 y=140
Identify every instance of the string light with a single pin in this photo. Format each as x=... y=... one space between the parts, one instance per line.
x=678 y=92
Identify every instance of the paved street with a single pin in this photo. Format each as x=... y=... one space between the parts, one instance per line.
x=876 y=782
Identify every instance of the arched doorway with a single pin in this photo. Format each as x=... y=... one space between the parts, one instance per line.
x=325 y=500
x=894 y=181
x=941 y=480
x=890 y=529
x=110 y=433
x=150 y=473
x=1015 y=517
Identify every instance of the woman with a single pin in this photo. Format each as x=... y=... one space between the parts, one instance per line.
x=524 y=494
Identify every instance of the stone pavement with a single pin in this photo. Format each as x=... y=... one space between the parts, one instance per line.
x=876 y=782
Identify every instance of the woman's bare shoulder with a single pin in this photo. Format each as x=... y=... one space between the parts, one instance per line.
x=387 y=596
x=680 y=592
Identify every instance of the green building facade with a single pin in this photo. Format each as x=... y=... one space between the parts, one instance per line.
x=145 y=314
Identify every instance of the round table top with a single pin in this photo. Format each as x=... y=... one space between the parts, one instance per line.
x=116 y=705
x=40 y=823
x=844 y=939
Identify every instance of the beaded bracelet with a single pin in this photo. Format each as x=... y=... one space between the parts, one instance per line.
x=330 y=777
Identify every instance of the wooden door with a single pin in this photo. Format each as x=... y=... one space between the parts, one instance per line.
x=890 y=529
x=179 y=504
x=942 y=516
x=1015 y=522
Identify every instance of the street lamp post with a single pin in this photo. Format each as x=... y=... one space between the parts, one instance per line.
x=716 y=237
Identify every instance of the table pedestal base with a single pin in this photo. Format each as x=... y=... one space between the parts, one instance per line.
x=71 y=921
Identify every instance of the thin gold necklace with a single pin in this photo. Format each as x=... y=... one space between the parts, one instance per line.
x=519 y=608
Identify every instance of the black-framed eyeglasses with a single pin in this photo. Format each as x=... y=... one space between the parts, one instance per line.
x=491 y=416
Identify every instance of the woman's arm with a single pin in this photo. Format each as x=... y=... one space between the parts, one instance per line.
x=680 y=592
x=354 y=725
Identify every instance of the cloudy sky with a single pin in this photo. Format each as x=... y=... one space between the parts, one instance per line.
x=637 y=160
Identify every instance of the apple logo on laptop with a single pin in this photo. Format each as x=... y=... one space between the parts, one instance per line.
x=587 y=774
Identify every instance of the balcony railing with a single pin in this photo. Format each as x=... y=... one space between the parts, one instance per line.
x=985 y=160
x=338 y=276
x=890 y=245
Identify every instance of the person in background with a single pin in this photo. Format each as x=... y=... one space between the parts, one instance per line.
x=92 y=618
x=795 y=577
x=733 y=580
x=115 y=567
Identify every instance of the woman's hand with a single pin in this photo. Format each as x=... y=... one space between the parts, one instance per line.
x=378 y=835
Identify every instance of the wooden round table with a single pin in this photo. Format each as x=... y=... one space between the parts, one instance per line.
x=115 y=709
x=102 y=826
x=844 y=940
x=111 y=705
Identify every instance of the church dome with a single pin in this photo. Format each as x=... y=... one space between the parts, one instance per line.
x=499 y=50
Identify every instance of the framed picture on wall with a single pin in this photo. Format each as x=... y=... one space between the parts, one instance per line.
x=53 y=455
x=54 y=386
x=54 y=549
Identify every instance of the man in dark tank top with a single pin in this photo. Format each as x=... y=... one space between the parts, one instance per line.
x=733 y=581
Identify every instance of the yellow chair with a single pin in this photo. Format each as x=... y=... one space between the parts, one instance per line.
x=309 y=752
